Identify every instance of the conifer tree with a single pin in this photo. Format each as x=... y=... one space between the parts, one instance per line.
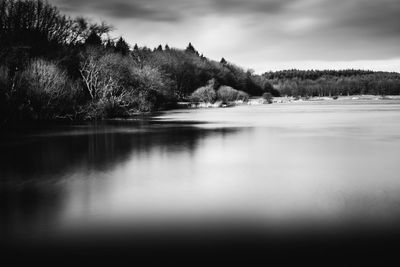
x=121 y=46
x=190 y=49
x=93 y=39
x=110 y=45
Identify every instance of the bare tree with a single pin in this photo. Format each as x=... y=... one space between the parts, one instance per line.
x=90 y=73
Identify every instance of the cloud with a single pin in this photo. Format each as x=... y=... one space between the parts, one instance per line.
x=374 y=17
x=173 y=9
x=368 y=16
x=251 y=6
x=134 y=10
x=251 y=32
x=121 y=9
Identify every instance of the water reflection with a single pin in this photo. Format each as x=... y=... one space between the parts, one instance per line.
x=48 y=172
x=270 y=165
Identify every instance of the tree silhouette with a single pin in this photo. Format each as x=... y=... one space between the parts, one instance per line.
x=190 y=49
x=93 y=39
x=121 y=46
x=110 y=45
x=34 y=25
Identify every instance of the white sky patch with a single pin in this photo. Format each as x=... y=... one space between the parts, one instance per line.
x=220 y=37
x=301 y=25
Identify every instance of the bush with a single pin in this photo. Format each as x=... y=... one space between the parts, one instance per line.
x=100 y=74
x=104 y=108
x=227 y=94
x=267 y=97
x=118 y=86
x=149 y=89
x=204 y=94
x=47 y=89
x=148 y=100
x=243 y=96
x=151 y=78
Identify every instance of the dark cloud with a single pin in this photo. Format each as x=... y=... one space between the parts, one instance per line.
x=252 y=6
x=121 y=9
x=380 y=18
x=255 y=31
x=173 y=9
x=135 y=10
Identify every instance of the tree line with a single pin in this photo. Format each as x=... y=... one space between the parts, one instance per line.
x=56 y=67
x=334 y=83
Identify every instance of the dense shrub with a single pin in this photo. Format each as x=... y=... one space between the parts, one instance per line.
x=45 y=79
x=242 y=96
x=204 y=94
x=150 y=89
x=227 y=94
x=150 y=78
x=104 y=108
x=118 y=86
x=105 y=78
x=47 y=90
x=267 y=97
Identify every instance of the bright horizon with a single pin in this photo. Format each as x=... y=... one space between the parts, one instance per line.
x=262 y=35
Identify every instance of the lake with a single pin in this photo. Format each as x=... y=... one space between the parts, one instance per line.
x=280 y=167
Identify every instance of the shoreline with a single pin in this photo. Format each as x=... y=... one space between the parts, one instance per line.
x=335 y=98
x=281 y=100
x=254 y=101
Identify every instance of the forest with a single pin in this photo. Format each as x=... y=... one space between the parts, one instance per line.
x=54 y=67
x=334 y=83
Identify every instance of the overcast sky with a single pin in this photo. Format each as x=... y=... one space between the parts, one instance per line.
x=260 y=34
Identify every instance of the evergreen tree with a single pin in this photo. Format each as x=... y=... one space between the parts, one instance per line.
x=93 y=39
x=223 y=61
x=121 y=46
x=159 y=48
x=190 y=49
x=110 y=45
x=167 y=47
x=135 y=48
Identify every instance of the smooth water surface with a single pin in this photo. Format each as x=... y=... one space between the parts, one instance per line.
x=312 y=162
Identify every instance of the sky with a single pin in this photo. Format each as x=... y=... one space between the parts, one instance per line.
x=262 y=35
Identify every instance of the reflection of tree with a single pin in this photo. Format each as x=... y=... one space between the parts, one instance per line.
x=32 y=165
x=99 y=147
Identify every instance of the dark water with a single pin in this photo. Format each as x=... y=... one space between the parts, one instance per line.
x=280 y=168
